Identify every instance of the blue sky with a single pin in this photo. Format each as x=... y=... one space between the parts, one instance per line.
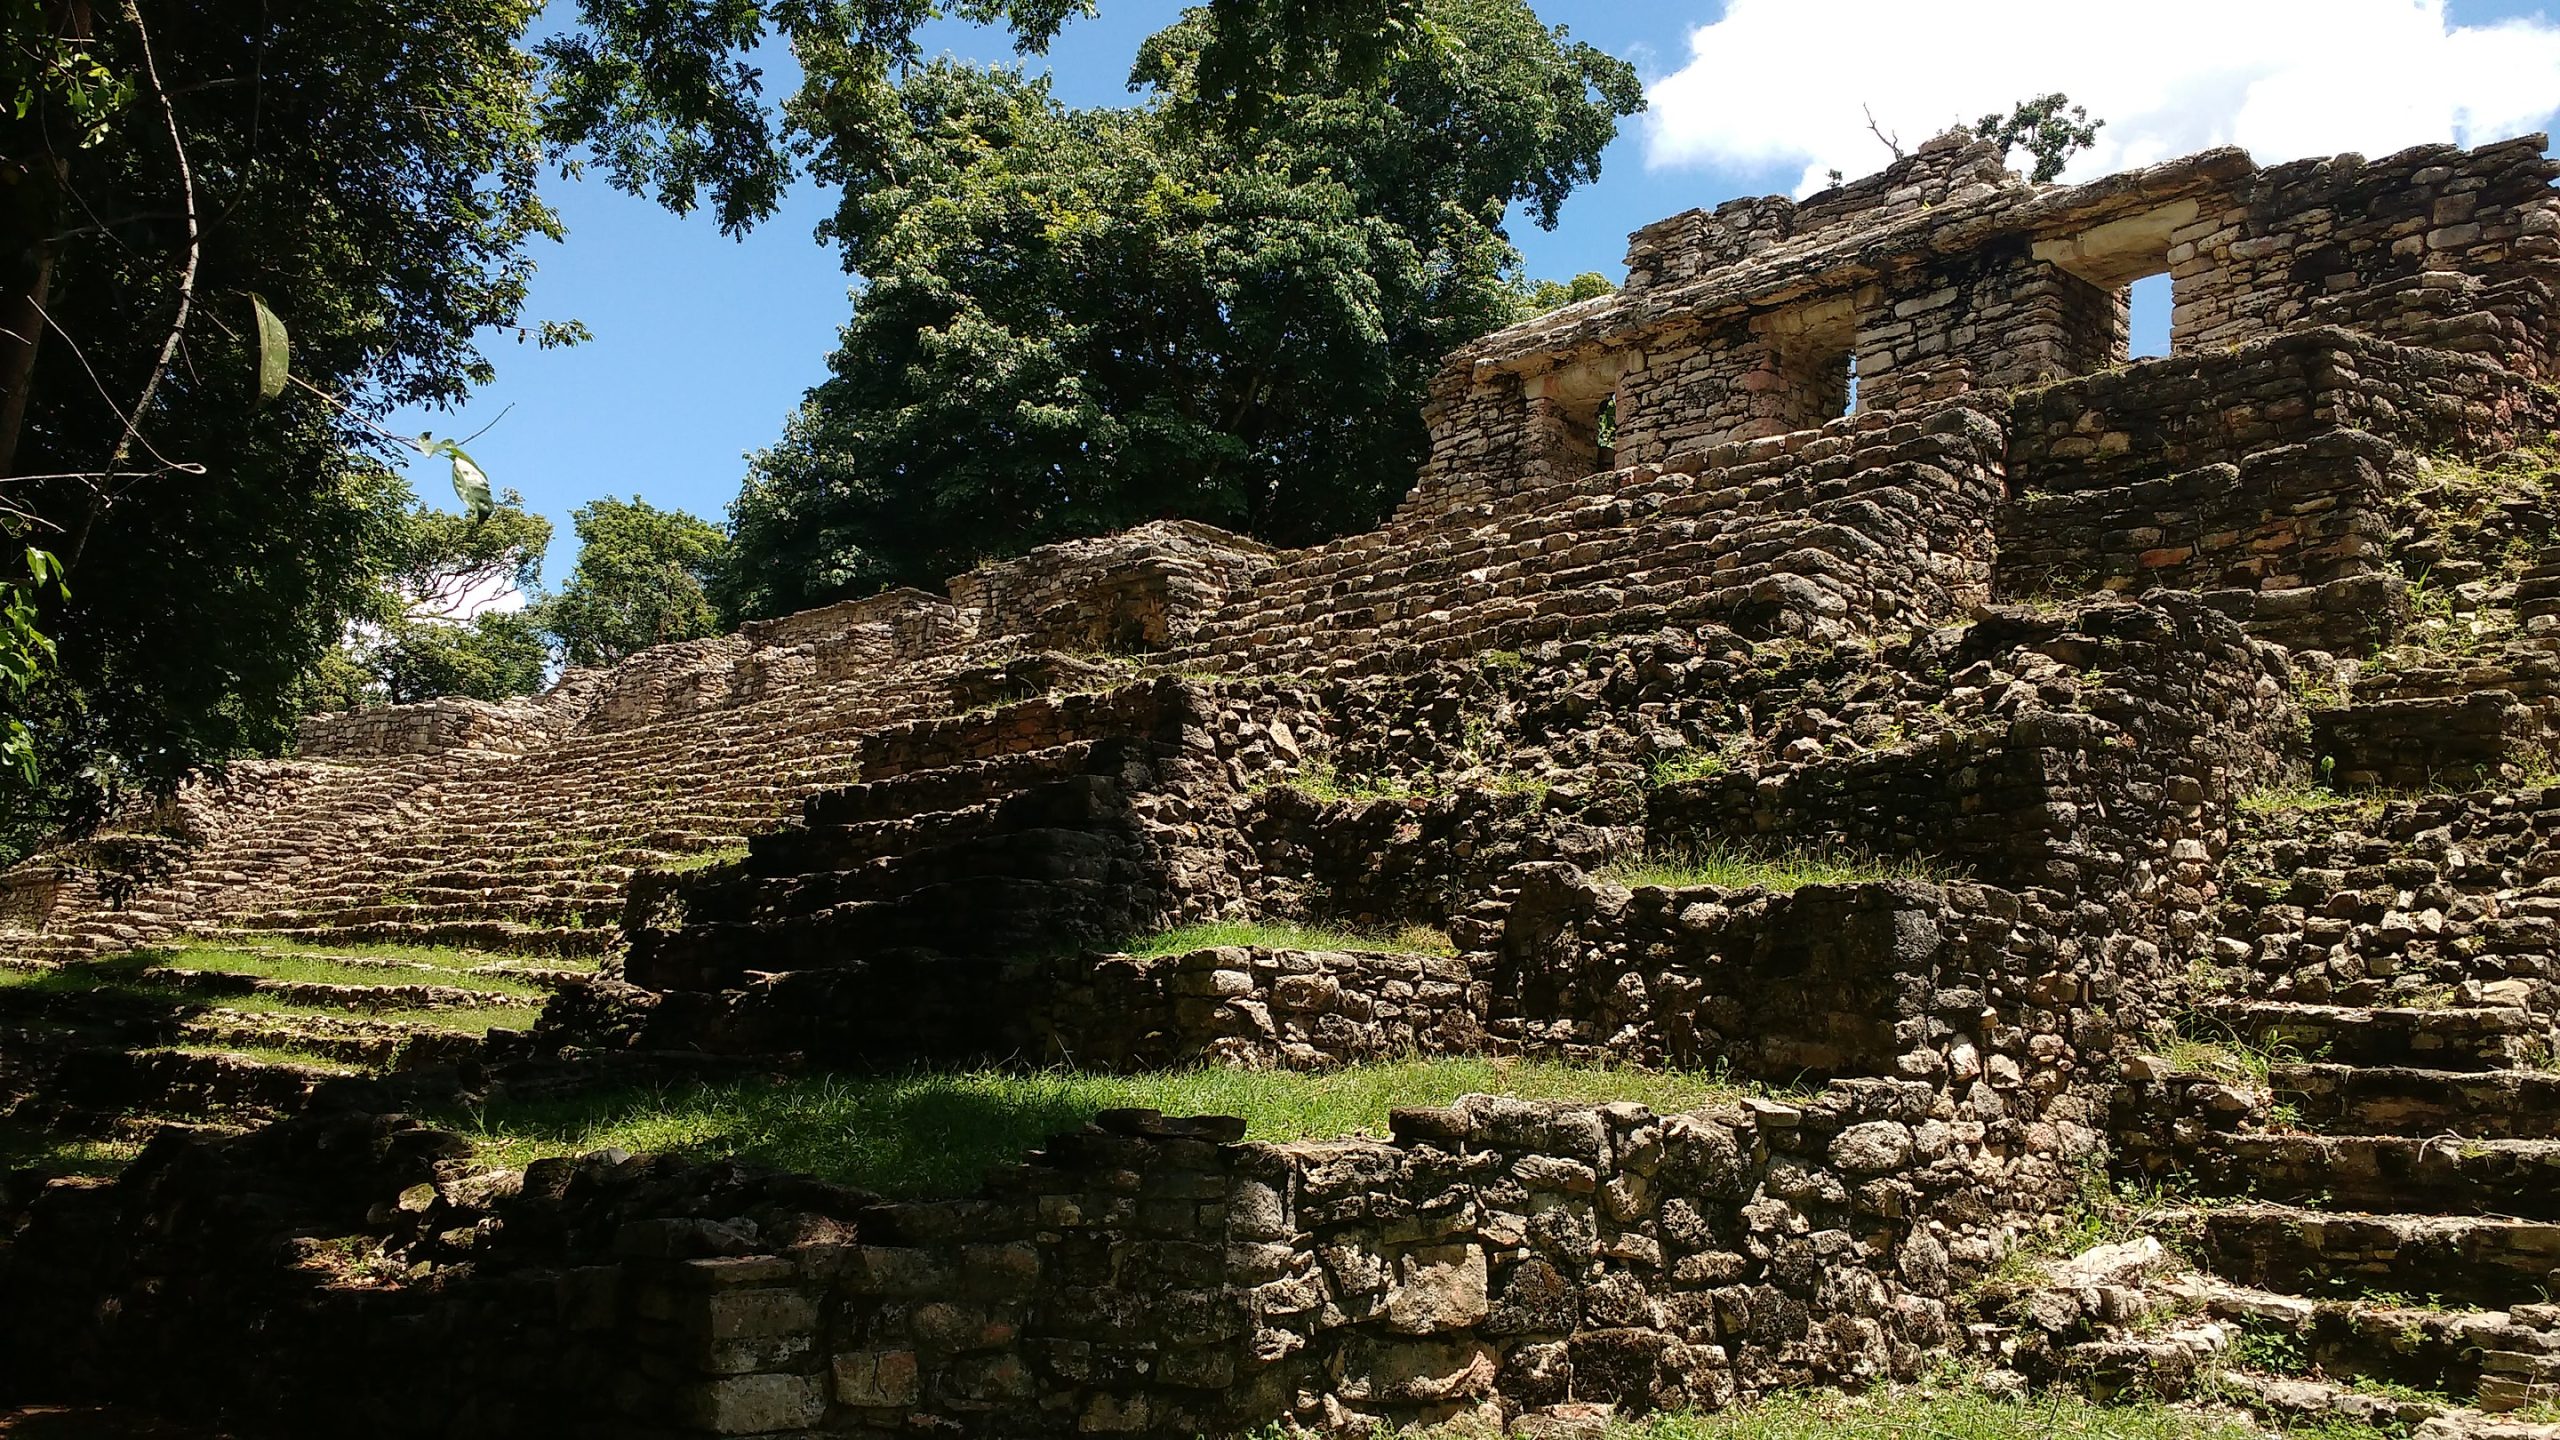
x=703 y=345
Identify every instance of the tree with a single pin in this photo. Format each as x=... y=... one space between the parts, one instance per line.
x=367 y=171
x=641 y=580
x=448 y=566
x=492 y=656
x=1073 y=321
x=428 y=629
x=1533 y=298
x=2049 y=128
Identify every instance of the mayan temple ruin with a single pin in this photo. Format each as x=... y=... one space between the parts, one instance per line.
x=2181 y=730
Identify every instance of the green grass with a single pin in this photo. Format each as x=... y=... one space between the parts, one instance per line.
x=32 y=1147
x=296 y=969
x=2225 y=1059
x=2293 y=796
x=1735 y=867
x=1285 y=935
x=703 y=860
x=268 y=1055
x=1688 y=765
x=440 y=957
x=938 y=1134
x=1320 y=780
x=1952 y=1413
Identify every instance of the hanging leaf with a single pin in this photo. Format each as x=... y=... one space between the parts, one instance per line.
x=274 y=350
x=470 y=483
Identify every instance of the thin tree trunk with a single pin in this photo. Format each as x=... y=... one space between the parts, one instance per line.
x=29 y=223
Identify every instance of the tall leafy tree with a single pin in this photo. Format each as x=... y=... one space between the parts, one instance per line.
x=1070 y=321
x=640 y=581
x=365 y=172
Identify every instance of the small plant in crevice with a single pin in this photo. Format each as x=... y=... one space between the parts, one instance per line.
x=1697 y=763
x=2270 y=1351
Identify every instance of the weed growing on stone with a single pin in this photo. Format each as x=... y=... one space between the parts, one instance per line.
x=2270 y=1351
x=1734 y=867
x=2224 y=1058
x=2295 y=796
x=1287 y=935
x=939 y=1133
x=1686 y=765
x=1319 y=780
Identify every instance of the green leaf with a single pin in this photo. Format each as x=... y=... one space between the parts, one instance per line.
x=274 y=350
x=470 y=482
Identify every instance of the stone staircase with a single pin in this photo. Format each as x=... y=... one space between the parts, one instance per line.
x=226 y=1035
x=2359 y=1144
x=1860 y=527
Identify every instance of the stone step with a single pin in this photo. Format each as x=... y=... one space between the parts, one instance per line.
x=72 y=1078
x=2293 y=1402
x=2449 y=1038
x=2498 y=1360
x=2503 y=1177
x=950 y=787
x=2468 y=1260
x=372 y=1044
x=2400 y=1100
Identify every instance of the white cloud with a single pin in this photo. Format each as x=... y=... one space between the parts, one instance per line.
x=1781 y=82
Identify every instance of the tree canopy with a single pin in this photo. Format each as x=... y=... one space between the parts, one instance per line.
x=640 y=581
x=1070 y=321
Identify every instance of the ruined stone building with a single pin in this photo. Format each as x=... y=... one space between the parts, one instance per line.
x=2205 y=697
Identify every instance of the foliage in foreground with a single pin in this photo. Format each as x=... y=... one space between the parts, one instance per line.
x=938 y=1133
x=380 y=198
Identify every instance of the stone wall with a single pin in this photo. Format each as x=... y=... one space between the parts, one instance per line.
x=2434 y=246
x=1143 y=589
x=1146 y=1277
x=1944 y=271
x=2164 y=417
x=451 y=723
x=2097 y=755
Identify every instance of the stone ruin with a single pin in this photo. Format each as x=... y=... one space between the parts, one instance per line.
x=1849 y=526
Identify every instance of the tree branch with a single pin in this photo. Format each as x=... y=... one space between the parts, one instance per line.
x=186 y=279
x=1892 y=142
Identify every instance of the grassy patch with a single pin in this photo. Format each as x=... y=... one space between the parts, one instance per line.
x=1687 y=765
x=2227 y=1060
x=47 y=1152
x=937 y=1134
x=703 y=860
x=1285 y=935
x=439 y=957
x=2296 y=796
x=1321 y=781
x=269 y=1055
x=305 y=970
x=1952 y=1413
x=1734 y=867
